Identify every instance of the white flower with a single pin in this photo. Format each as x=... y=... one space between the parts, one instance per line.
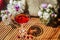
x=16 y=7
x=47 y=9
x=40 y=14
x=46 y=16
x=55 y=15
x=2 y=11
x=9 y=15
x=6 y=19
x=14 y=2
x=49 y=5
x=11 y=9
x=21 y=4
x=11 y=1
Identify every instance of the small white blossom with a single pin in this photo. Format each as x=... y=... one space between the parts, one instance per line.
x=55 y=15
x=14 y=2
x=9 y=15
x=19 y=3
x=47 y=10
x=49 y=5
x=2 y=11
x=46 y=16
x=6 y=19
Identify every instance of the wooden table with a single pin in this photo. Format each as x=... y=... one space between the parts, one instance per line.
x=48 y=32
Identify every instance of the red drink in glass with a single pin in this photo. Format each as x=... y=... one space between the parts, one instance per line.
x=21 y=18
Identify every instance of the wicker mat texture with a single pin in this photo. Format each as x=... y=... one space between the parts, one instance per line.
x=4 y=30
x=48 y=32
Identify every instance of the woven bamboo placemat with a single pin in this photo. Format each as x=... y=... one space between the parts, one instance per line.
x=4 y=30
x=48 y=32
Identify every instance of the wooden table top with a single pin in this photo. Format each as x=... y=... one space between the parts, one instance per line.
x=47 y=33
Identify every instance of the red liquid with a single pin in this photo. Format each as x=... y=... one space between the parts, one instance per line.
x=21 y=18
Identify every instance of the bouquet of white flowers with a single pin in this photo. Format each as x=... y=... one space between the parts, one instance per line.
x=46 y=13
x=16 y=7
x=13 y=8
